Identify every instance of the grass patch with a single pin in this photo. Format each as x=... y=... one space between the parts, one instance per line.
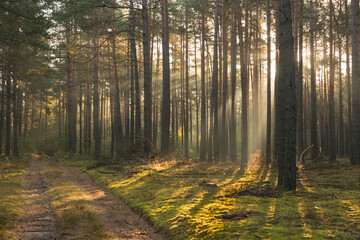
x=171 y=194
x=11 y=200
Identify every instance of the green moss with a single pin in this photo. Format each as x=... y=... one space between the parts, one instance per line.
x=325 y=205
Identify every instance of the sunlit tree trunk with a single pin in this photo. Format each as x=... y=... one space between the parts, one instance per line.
x=268 y=116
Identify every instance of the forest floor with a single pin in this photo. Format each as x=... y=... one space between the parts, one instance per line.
x=43 y=199
x=191 y=200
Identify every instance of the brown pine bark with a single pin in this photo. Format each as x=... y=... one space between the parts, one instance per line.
x=287 y=100
x=165 y=107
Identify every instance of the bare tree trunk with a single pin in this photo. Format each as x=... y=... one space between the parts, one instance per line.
x=314 y=138
x=186 y=124
x=268 y=119
x=244 y=90
x=203 y=149
x=147 y=76
x=165 y=105
x=224 y=127
x=287 y=99
x=214 y=93
x=233 y=140
x=355 y=128
x=299 y=87
x=348 y=82
x=115 y=86
x=341 y=142
x=332 y=141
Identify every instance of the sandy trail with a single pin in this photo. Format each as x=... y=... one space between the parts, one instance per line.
x=39 y=220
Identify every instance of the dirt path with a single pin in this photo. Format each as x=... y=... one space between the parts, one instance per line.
x=39 y=221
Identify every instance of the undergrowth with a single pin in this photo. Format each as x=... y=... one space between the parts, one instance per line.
x=11 y=201
x=173 y=196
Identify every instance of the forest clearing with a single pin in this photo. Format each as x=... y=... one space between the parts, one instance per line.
x=180 y=199
x=179 y=119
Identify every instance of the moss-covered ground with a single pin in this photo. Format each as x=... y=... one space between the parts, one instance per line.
x=11 y=200
x=181 y=198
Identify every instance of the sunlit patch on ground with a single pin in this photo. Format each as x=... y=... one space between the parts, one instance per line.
x=325 y=205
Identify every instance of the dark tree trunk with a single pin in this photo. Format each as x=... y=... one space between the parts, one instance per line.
x=332 y=141
x=224 y=131
x=214 y=92
x=313 y=130
x=348 y=81
x=187 y=91
x=115 y=86
x=299 y=87
x=96 y=124
x=203 y=149
x=134 y=71
x=287 y=100
x=71 y=97
x=147 y=76
x=165 y=105
x=233 y=140
x=341 y=140
x=244 y=91
x=268 y=119
x=355 y=128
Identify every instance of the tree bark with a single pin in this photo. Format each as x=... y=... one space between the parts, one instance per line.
x=165 y=105
x=147 y=77
x=287 y=100
x=355 y=128
x=314 y=137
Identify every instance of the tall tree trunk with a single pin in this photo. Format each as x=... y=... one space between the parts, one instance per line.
x=197 y=97
x=299 y=87
x=314 y=138
x=214 y=92
x=348 y=81
x=3 y=88
x=244 y=91
x=355 y=128
x=233 y=140
x=147 y=77
x=332 y=141
x=15 y=112
x=71 y=96
x=224 y=131
x=115 y=86
x=96 y=124
x=187 y=91
x=134 y=71
x=268 y=117
x=203 y=149
x=341 y=140
x=287 y=99
x=165 y=105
